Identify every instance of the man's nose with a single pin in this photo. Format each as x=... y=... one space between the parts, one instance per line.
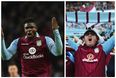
x=29 y=29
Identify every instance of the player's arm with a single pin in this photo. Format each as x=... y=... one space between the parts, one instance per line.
x=55 y=47
x=70 y=55
x=7 y=53
x=72 y=44
x=101 y=40
x=108 y=45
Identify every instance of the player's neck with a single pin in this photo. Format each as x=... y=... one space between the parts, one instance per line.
x=30 y=38
x=14 y=75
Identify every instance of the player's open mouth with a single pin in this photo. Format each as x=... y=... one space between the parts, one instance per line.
x=29 y=34
x=90 y=39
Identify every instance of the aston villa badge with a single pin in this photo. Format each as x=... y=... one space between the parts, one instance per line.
x=32 y=50
x=39 y=43
x=96 y=50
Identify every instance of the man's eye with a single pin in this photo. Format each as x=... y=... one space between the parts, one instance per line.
x=26 y=27
x=29 y=27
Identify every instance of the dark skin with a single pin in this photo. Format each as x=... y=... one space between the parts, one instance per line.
x=31 y=28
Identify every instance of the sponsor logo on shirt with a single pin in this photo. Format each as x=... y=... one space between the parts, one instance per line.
x=90 y=58
x=32 y=54
x=28 y=56
x=32 y=50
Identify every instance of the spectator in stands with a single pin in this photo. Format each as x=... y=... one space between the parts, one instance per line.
x=90 y=58
x=13 y=70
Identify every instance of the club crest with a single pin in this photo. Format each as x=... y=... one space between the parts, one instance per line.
x=39 y=43
x=96 y=50
x=32 y=50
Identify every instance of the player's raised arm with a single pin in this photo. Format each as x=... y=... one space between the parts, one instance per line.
x=109 y=45
x=7 y=53
x=72 y=44
x=55 y=47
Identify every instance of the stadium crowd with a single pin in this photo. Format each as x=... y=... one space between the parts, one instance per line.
x=104 y=5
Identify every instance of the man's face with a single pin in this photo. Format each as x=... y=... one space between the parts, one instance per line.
x=13 y=70
x=90 y=39
x=30 y=29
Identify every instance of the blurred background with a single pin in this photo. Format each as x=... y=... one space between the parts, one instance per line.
x=14 y=14
x=99 y=5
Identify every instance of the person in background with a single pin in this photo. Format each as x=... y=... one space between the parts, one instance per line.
x=13 y=70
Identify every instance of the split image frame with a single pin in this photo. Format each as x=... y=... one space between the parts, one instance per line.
x=49 y=20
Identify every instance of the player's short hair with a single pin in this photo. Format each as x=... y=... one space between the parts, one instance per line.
x=92 y=32
x=12 y=63
x=29 y=20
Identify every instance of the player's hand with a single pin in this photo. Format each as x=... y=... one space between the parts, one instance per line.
x=75 y=39
x=54 y=23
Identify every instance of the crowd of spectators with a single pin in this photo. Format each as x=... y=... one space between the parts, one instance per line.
x=104 y=5
x=104 y=29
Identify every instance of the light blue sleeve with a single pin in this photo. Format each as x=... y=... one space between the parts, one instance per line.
x=108 y=45
x=72 y=44
x=7 y=53
x=55 y=47
x=71 y=57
